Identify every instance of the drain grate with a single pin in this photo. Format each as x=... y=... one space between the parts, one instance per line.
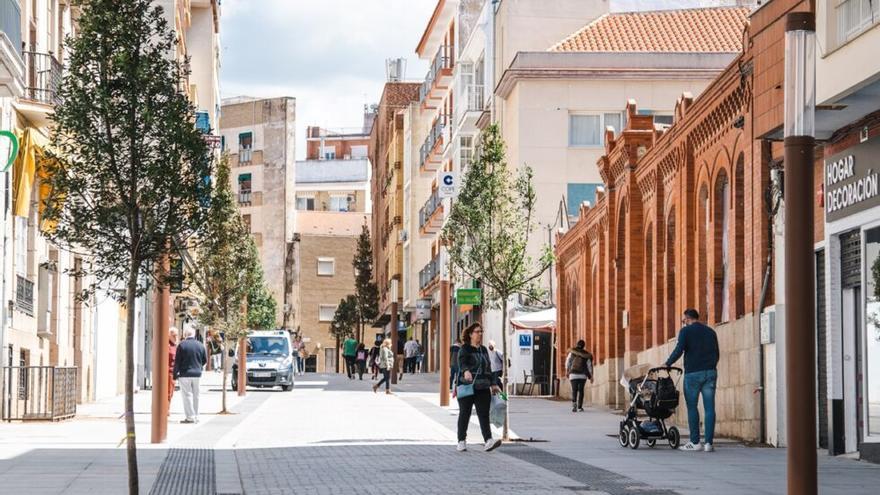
x=590 y=476
x=186 y=472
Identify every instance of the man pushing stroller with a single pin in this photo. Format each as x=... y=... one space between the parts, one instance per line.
x=699 y=343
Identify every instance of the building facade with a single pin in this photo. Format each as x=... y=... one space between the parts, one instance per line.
x=258 y=135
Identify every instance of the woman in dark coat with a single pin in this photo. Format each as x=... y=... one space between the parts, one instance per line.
x=475 y=368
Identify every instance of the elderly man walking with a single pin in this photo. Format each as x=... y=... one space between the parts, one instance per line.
x=191 y=358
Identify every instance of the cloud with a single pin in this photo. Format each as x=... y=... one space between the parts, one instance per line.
x=328 y=54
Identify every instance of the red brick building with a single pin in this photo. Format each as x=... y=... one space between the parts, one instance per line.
x=683 y=223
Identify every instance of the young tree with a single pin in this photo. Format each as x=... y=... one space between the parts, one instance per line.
x=488 y=230
x=345 y=322
x=261 y=306
x=226 y=269
x=127 y=167
x=366 y=292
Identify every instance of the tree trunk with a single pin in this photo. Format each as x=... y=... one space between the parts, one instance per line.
x=505 y=432
x=337 y=354
x=131 y=445
x=223 y=352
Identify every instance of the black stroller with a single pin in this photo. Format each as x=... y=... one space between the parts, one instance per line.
x=657 y=395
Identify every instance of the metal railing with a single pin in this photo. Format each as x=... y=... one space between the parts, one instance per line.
x=244 y=197
x=10 y=22
x=245 y=155
x=429 y=273
x=38 y=393
x=43 y=77
x=435 y=136
x=430 y=206
x=24 y=295
x=442 y=60
x=475 y=98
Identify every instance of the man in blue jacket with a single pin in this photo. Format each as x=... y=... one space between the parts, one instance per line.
x=699 y=343
x=188 y=363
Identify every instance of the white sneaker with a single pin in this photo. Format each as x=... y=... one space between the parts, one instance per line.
x=690 y=447
x=708 y=448
x=492 y=444
x=462 y=446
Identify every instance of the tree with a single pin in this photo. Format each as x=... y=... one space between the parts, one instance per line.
x=227 y=268
x=488 y=231
x=262 y=306
x=366 y=292
x=127 y=168
x=346 y=321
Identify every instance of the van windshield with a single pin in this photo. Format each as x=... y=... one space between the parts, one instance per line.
x=276 y=346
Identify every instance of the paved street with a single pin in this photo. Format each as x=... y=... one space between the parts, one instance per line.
x=331 y=435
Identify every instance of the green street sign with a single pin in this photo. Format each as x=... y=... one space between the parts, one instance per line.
x=472 y=297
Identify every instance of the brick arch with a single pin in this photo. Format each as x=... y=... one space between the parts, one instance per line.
x=620 y=259
x=720 y=227
x=702 y=211
x=739 y=236
x=670 y=239
x=648 y=325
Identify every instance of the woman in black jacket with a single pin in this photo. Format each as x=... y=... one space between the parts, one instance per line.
x=475 y=368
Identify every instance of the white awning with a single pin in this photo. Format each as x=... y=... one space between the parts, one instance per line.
x=536 y=320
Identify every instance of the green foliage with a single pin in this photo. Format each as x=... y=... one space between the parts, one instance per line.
x=261 y=306
x=366 y=292
x=346 y=319
x=488 y=230
x=127 y=165
x=227 y=266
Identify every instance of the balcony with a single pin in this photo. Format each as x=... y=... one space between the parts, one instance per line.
x=24 y=295
x=474 y=103
x=245 y=155
x=431 y=215
x=431 y=153
x=11 y=65
x=430 y=274
x=438 y=79
x=245 y=198
x=43 y=79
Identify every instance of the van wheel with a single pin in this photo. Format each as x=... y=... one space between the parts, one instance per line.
x=287 y=388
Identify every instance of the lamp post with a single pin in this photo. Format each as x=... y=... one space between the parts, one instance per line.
x=800 y=311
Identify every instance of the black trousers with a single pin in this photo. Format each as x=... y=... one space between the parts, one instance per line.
x=577 y=391
x=386 y=378
x=482 y=399
x=361 y=368
x=349 y=365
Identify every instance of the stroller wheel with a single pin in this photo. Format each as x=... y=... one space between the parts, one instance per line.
x=674 y=437
x=623 y=436
x=634 y=438
x=652 y=442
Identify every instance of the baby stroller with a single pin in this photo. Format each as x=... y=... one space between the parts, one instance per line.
x=655 y=393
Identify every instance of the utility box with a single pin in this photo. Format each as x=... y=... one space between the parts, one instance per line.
x=768 y=326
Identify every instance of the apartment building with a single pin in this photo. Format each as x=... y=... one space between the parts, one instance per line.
x=258 y=134
x=848 y=241
x=386 y=155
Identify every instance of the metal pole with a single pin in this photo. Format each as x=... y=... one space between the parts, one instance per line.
x=444 y=328
x=160 y=372
x=242 y=366
x=800 y=315
x=394 y=339
x=800 y=320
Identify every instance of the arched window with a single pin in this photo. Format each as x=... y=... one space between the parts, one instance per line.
x=704 y=285
x=720 y=258
x=650 y=334
x=620 y=283
x=739 y=237
x=669 y=255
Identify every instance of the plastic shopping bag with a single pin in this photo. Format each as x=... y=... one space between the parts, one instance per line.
x=498 y=409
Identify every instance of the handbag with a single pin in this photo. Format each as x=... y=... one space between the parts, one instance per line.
x=468 y=389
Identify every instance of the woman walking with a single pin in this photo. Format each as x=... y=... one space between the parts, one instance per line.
x=579 y=365
x=360 y=359
x=386 y=366
x=374 y=360
x=475 y=386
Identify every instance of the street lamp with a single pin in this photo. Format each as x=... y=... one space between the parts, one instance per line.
x=800 y=311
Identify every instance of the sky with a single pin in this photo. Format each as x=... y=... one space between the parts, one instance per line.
x=330 y=54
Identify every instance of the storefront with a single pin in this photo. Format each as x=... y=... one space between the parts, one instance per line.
x=850 y=260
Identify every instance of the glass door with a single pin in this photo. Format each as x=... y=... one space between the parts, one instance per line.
x=870 y=386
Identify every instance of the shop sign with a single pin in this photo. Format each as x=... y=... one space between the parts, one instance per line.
x=852 y=180
x=175 y=275
x=469 y=297
x=525 y=340
x=447 y=185
x=423 y=309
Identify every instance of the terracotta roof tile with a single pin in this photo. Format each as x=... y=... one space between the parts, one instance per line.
x=717 y=29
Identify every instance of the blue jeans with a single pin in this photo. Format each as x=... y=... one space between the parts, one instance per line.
x=696 y=383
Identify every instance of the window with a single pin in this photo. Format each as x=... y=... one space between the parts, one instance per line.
x=665 y=119
x=339 y=203
x=245 y=146
x=203 y=122
x=466 y=151
x=359 y=151
x=872 y=324
x=21 y=246
x=244 y=183
x=326 y=312
x=578 y=193
x=589 y=129
x=305 y=203
x=855 y=16
x=246 y=219
x=326 y=267
x=328 y=152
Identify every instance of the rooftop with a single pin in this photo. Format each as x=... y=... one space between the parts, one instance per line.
x=716 y=29
x=329 y=223
x=324 y=171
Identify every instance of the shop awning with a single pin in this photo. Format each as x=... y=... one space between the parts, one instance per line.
x=536 y=320
x=29 y=166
